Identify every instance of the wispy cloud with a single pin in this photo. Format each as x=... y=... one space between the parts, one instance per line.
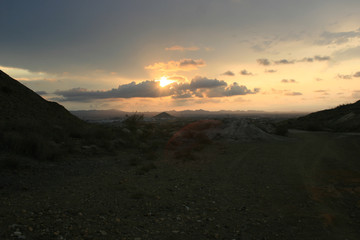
x=181 y=48
x=284 y=61
x=182 y=65
x=288 y=81
x=293 y=94
x=337 y=38
x=318 y=58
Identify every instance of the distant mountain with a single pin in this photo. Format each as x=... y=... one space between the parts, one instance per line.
x=344 y=118
x=163 y=115
x=18 y=102
x=99 y=114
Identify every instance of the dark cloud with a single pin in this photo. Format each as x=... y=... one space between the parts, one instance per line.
x=307 y=59
x=337 y=38
x=236 y=89
x=246 y=73
x=228 y=73
x=270 y=71
x=284 y=61
x=346 y=77
x=203 y=82
x=288 y=81
x=263 y=61
x=293 y=94
x=356 y=75
x=200 y=87
x=146 y=89
x=187 y=62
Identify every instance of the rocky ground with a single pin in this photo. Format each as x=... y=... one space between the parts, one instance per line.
x=306 y=186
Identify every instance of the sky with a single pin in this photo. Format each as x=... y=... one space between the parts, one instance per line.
x=158 y=55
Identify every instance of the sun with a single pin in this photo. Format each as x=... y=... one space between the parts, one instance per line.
x=164 y=81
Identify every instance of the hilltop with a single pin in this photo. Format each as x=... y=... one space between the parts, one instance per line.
x=163 y=115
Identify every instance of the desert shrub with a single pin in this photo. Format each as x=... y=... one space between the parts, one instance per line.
x=30 y=144
x=132 y=122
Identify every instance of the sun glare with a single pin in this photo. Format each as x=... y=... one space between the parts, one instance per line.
x=164 y=81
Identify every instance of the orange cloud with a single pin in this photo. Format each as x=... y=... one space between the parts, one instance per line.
x=181 y=48
x=173 y=66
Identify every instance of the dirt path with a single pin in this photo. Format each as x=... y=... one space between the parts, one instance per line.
x=304 y=188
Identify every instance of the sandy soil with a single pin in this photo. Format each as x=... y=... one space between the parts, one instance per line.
x=305 y=187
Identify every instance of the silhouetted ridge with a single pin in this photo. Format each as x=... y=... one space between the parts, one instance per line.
x=344 y=118
x=19 y=102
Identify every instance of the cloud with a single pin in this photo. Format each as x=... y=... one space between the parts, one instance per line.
x=307 y=59
x=263 y=61
x=337 y=38
x=293 y=94
x=346 y=77
x=246 y=73
x=182 y=65
x=228 y=73
x=270 y=71
x=181 y=48
x=322 y=58
x=356 y=75
x=319 y=79
x=349 y=53
x=284 y=61
x=146 y=89
x=203 y=82
x=288 y=81
x=324 y=92
x=199 y=87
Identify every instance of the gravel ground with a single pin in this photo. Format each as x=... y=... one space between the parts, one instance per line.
x=307 y=187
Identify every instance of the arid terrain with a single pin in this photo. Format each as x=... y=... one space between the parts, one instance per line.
x=175 y=178
x=305 y=186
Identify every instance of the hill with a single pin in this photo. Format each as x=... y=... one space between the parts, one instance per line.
x=344 y=118
x=163 y=115
x=30 y=125
x=18 y=102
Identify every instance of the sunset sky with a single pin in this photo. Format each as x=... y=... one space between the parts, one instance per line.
x=272 y=55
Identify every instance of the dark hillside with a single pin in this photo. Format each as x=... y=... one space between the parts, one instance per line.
x=19 y=102
x=31 y=125
x=344 y=118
